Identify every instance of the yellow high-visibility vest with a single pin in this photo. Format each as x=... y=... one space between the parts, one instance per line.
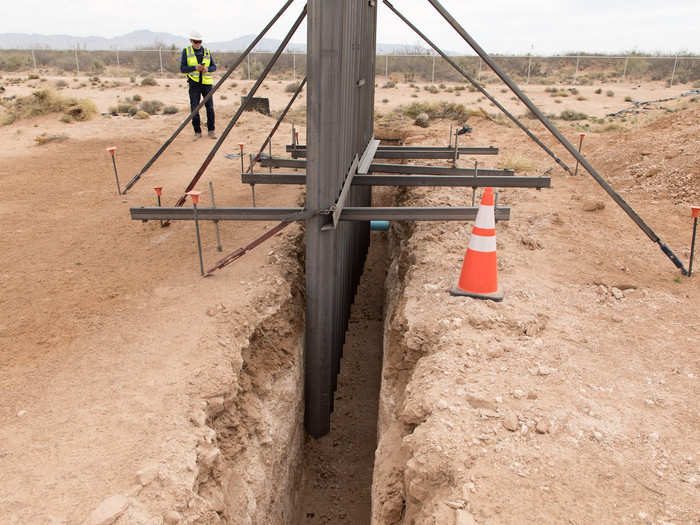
x=192 y=62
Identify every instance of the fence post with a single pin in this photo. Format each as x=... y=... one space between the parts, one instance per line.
x=294 y=66
x=34 y=60
x=529 y=67
x=118 y=68
x=478 y=77
x=577 y=59
x=433 y=81
x=248 y=66
x=673 y=74
x=624 y=73
x=160 y=56
x=77 y=64
x=386 y=66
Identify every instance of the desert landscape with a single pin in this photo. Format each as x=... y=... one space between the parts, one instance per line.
x=137 y=392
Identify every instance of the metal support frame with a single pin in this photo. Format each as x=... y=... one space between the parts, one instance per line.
x=558 y=135
x=479 y=181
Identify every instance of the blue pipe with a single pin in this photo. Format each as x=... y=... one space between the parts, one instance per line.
x=379 y=226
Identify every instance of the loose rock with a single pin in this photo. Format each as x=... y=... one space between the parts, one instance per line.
x=543 y=426
x=172 y=517
x=510 y=422
x=593 y=205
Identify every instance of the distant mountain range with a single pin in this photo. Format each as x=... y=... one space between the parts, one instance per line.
x=152 y=40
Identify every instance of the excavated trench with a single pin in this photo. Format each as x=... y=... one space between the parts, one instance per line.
x=269 y=471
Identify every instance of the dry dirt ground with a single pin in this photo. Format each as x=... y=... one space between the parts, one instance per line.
x=111 y=341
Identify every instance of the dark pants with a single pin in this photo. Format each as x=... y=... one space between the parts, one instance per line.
x=197 y=92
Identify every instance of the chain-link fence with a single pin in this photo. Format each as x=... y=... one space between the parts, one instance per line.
x=405 y=68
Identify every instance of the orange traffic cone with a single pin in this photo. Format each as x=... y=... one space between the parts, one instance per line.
x=479 y=277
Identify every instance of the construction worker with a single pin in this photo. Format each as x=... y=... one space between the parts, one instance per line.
x=198 y=64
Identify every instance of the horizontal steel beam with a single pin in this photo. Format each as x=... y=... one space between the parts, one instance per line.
x=407 y=169
x=218 y=214
x=295 y=214
x=417 y=154
x=463 y=150
x=404 y=169
x=409 y=180
x=418 y=214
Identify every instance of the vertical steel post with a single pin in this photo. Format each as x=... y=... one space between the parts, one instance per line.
x=195 y=197
x=34 y=60
x=577 y=60
x=478 y=77
x=160 y=57
x=159 y=191
x=77 y=64
x=248 y=66
x=433 y=81
x=624 y=72
x=294 y=66
x=673 y=74
x=696 y=216
x=118 y=67
x=529 y=67
x=216 y=223
x=386 y=66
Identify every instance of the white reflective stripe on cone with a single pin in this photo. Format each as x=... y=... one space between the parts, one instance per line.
x=485 y=217
x=479 y=243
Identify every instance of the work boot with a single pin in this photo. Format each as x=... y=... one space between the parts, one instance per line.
x=197 y=136
x=212 y=134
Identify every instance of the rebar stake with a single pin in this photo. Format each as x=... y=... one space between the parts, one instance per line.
x=159 y=192
x=195 y=198
x=696 y=216
x=112 y=150
x=216 y=222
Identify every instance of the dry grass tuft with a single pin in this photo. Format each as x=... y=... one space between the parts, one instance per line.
x=45 y=102
x=516 y=163
x=45 y=138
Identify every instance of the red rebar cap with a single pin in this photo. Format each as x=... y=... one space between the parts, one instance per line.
x=195 y=195
x=158 y=190
x=111 y=150
x=696 y=212
x=240 y=145
x=581 y=135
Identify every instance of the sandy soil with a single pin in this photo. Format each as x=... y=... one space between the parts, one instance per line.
x=112 y=345
x=574 y=400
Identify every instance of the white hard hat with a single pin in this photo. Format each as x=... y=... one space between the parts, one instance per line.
x=195 y=35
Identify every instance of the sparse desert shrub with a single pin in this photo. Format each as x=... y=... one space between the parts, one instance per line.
x=223 y=97
x=460 y=88
x=598 y=91
x=431 y=89
x=152 y=107
x=389 y=84
x=66 y=119
x=128 y=108
x=170 y=110
x=136 y=98
x=413 y=95
x=422 y=120
x=581 y=98
x=628 y=99
x=140 y=115
x=442 y=86
x=289 y=88
x=610 y=93
x=438 y=110
x=516 y=163
x=61 y=83
x=149 y=81
x=44 y=102
x=385 y=101
x=570 y=115
x=33 y=77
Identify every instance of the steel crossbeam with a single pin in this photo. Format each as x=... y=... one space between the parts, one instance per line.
x=407 y=152
x=480 y=181
x=350 y=213
x=406 y=169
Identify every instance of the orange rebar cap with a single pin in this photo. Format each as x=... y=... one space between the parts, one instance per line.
x=195 y=195
x=158 y=190
x=111 y=150
x=240 y=145
x=696 y=212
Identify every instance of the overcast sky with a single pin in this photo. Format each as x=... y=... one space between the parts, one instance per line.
x=500 y=26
